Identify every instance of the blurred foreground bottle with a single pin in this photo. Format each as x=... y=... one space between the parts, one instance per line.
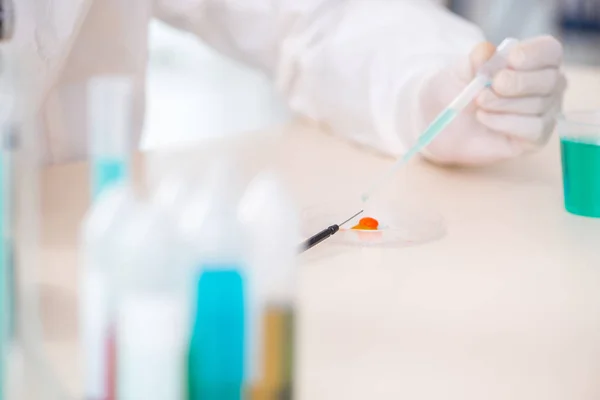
x=206 y=285
x=209 y=224
x=271 y=219
x=151 y=327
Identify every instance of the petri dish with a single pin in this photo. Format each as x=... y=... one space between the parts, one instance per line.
x=400 y=224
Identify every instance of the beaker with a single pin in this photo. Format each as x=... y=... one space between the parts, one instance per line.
x=580 y=148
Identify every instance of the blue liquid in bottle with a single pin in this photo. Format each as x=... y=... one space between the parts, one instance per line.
x=107 y=172
x=216 y=358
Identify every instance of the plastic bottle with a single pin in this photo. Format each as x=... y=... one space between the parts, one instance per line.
x=102 y=224
x=217 y=345
x=271 y=218
x=151 y=329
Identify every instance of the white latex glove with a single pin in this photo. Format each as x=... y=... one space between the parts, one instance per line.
x=515 y=115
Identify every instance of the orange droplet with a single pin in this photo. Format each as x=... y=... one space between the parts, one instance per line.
x=370 y=222
x=367 y=224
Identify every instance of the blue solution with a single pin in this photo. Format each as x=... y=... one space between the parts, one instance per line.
x=432 y=131
x=216 y=358
x=107 y=172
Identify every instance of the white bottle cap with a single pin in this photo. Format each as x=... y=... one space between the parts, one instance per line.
x=209 y=221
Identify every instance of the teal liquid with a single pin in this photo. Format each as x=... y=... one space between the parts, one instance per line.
x=433 y=130
x=581 y=177
x=216 y=359
x=5 y=287
x=106 y=173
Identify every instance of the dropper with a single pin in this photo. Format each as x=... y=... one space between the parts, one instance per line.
x=326 y=234
x=479 y=83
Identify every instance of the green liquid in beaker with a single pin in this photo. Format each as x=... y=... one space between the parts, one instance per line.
x=581 y=176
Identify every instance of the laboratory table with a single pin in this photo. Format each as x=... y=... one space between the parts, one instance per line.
x=506 y=305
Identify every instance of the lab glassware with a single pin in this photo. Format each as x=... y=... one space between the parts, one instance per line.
x=210 y=227
x=110 y=100
x=580 y=150
x=271 y=220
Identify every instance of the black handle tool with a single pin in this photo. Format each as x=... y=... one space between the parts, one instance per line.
x=325 y=234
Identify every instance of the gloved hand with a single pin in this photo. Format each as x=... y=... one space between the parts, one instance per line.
x=515 y=115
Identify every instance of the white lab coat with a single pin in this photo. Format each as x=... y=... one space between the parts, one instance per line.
x=352 y=65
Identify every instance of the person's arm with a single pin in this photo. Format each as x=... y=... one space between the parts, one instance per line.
x=355 y=65
x=379 y=71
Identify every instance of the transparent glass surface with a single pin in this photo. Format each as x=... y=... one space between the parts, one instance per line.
x=400 y=223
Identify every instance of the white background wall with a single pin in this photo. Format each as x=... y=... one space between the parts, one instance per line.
x=195 y=93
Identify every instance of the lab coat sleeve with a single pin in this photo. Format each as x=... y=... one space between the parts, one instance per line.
x=356 y=66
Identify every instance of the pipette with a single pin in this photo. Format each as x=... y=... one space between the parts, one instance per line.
x=482 y=80
x=326 y=234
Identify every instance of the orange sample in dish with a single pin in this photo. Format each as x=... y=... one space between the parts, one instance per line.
x=367 y=224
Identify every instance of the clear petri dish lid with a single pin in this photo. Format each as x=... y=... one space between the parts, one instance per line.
x=401 y=223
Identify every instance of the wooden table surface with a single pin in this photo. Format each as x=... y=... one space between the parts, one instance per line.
x=505 y=306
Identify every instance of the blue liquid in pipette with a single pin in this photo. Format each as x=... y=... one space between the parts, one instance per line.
x=432 y=131
x=107 y=172
x=437 y=126
x=216 y=359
